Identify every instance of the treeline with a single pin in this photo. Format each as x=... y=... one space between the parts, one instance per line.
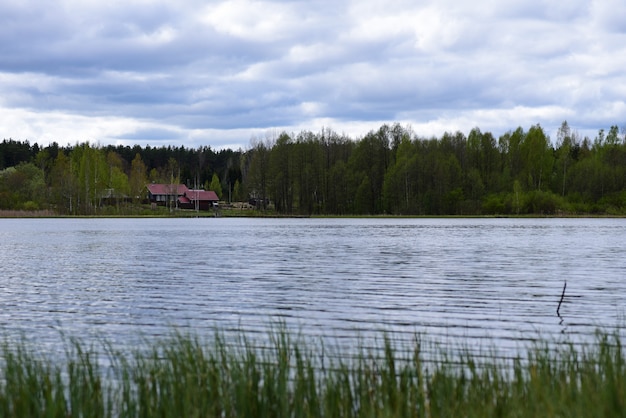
x=87 y=179
x=388 y=171
x=393 y=171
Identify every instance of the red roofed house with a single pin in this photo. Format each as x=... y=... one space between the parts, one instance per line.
x=198 y=199
x=185 y=198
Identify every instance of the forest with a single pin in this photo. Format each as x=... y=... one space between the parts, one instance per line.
x=389 y=171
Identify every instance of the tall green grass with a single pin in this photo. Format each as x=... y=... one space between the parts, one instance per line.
x=287 y=376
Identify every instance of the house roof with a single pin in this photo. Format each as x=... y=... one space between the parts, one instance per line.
x=201 y=195
x=159 y=188
x=183 y=191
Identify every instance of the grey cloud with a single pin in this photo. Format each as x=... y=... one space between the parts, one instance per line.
x=169 y=66
x=151 y=134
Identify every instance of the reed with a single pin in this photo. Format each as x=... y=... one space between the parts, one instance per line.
x=45 y=213
x=287 y=376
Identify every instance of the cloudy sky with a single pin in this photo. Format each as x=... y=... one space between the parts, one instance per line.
x=218 y=73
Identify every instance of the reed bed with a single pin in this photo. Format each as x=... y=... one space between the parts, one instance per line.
x=44 y=213
x=287 y=376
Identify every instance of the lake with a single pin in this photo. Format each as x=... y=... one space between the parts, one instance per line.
x=464 y=281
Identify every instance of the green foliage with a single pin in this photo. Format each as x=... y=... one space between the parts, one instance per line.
x=495 y=204
x=23 y=187
x=544 y=203
x=216 y=186
x=30 y=205
x=400 y=185
x=280 y=375
x=137 y=179
x=237 y=192
x=388 y=171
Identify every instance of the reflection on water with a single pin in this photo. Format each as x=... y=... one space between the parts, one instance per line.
x=454 y=280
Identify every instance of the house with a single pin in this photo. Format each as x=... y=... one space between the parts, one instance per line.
x=181 y=196
x=163 y=193
x=198 y=199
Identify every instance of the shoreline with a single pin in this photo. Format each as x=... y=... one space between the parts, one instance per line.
x=48 y=214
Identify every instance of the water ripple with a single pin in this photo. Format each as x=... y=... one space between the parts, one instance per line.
x=458 y=280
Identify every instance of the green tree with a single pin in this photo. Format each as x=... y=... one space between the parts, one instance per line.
x=370 y=158
x=363 y=198
x=339 y=197
x=64 y=185
x=484 y=158
x=257 y=172
x=510 y=145
x=238 y=192
x=400 y=186
x=281 y=174
x=335 y=188
x=154 y=176
x=172 y=174
x=216 y=186
x=90 y=168
x=23 y=187
x=564 y=155
x=137 y=179
x=310 y=178
x=446 y=188
x=118 y=186
x=537 y=158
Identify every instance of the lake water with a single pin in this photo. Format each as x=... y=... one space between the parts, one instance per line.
x=484 y=281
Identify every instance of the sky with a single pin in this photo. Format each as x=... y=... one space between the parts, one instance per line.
x=225 y=73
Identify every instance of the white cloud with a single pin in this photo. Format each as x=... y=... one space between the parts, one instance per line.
x=609 y=15
x=191 y=71
x=62 y=127
x=255 y=21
